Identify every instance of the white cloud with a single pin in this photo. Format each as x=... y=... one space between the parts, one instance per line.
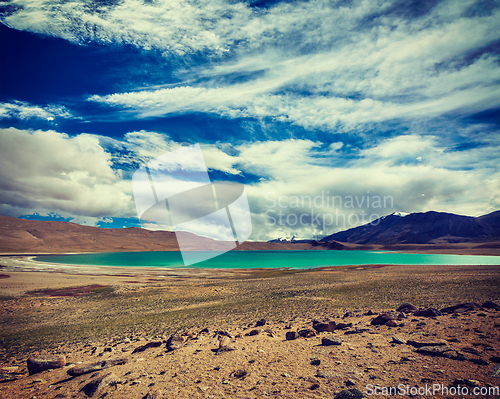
x=47 y=170
x=24 y=110
x=358 y=64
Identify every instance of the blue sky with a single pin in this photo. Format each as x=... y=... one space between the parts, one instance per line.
x=293 y=99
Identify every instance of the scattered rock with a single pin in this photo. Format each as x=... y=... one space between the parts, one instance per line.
x=291 y=335
x=254 y=332
x=286 y=375
x=383 y=318
x=175 y=342
x=155 y=394
x=406 y=307
x=307 y=333
x=427 y=312
x=269 y=332
x=315 y=362
x=328 y=326
x=225 y=345
x=470 y=350
x=324 y=374
x=480 y=362
x=153 y=344
x=39 y=363
x=435 y=350
x=398 y=340
x=357 y=330
x=491 y=305
x=391 y=323
x=97 y=384
x=90 y=368
x=342 y=326
x=240 y=373
x=5 y=377
x=348 y=314
x=420 y=344
x=260 y=323
x=352 y=393
x=370 y=313
x=461 y=307
x=331 y=340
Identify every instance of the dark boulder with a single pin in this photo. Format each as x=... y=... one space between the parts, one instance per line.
x=427 y=312
x=39 y=363
x=307 y=333
x=291 y=335
x=383 y=318
x=331 y=340
x=175 y=342
x=406 y=308
x=461 y=307
x=491 y=305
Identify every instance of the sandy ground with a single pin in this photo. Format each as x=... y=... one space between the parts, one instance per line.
x=144 y=307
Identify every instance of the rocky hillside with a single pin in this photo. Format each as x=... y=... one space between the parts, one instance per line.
x=423 y=228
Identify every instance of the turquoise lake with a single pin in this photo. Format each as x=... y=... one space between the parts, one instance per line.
x=268 y=259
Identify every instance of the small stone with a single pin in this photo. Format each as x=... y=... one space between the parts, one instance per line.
x=260 y=323
x=307 y=333
x=315 y=362
x=286 y=375
x=175 y=342
x=398 y=340
x=343 y=326
x=434 y=350
x=352 y=393
x=324 y=326
x=254 y=332
x=470 y=350
x=350 y=383
x=406 y=307
x=291 y=335
x=331 y=340
x=324 y=374
x=153 y=344
x=97 y=384
x=154 y=394
x=240 y=373
x=382 y=319
x=225 y=345
x=39 y=363
x=96 y=366
x=491 y=305
x=427 y=312
x=461 y=307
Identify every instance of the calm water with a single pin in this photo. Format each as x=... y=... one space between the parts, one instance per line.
x=269 y=259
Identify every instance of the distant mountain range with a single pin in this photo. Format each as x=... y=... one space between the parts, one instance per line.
x=21 y=236
x=398 y=231
x=423 y=228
